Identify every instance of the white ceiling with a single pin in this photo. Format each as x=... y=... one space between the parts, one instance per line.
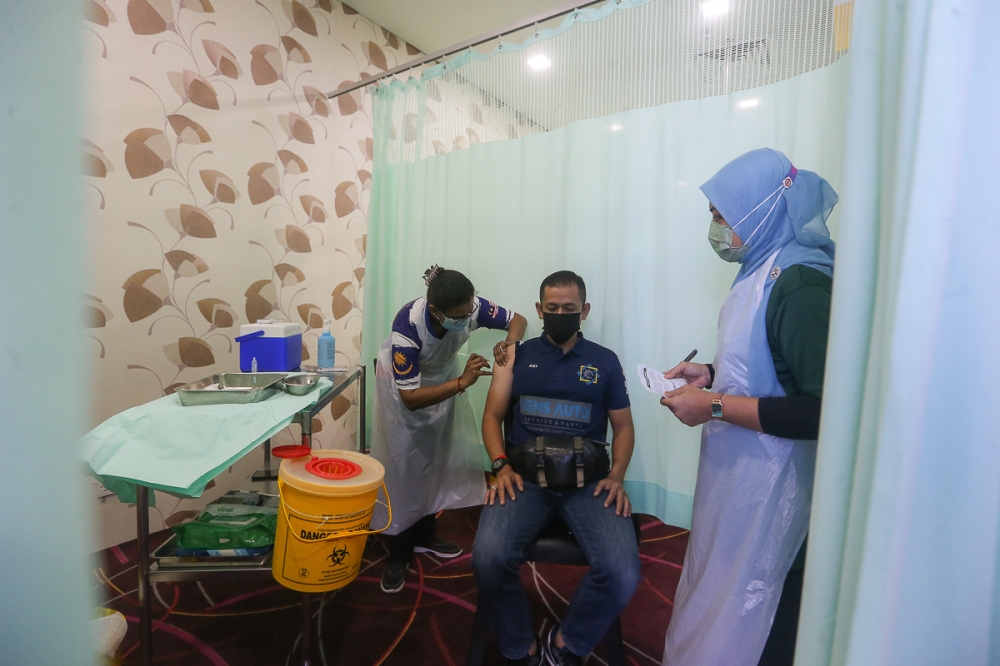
x=432 y=25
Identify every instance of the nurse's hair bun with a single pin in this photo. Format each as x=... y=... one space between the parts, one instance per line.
x=447 y=289
x=432 y=273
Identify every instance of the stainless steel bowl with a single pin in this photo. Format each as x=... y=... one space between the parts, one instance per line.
x=301 y=384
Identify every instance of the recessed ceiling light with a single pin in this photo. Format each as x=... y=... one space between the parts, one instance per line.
x=615 y=128
x=749 y=103
x=713 y=8
x=539 y=62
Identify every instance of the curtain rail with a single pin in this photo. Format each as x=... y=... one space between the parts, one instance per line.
x=456 y=48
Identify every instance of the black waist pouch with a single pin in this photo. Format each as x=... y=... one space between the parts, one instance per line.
x=560 y=463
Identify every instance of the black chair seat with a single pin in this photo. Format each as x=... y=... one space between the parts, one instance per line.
x=556 y=545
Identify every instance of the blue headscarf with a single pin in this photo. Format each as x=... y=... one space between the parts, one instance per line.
x=762 y=186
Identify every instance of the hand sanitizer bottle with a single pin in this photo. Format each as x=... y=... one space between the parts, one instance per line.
x=326 y=348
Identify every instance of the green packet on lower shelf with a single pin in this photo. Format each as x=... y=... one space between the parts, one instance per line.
x=228 y=526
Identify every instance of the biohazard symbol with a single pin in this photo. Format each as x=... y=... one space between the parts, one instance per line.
x=338 y=556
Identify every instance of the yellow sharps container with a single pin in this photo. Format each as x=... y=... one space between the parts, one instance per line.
x=327 y=499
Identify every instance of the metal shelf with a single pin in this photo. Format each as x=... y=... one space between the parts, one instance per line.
x=192 y=573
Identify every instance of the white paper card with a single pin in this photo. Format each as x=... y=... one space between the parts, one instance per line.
x=653 y=380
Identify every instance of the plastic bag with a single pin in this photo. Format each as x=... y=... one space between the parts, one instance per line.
x=229 y=526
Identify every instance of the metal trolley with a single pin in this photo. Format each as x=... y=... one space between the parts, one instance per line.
x=150 y=572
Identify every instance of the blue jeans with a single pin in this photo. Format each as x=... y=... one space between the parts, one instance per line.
x=608 y=541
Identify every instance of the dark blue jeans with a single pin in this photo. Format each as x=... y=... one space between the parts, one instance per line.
x=607 y=540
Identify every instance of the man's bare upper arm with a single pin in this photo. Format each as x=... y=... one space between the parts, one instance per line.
x=501 y=386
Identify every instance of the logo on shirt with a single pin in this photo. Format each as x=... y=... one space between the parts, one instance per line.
x=399 y=361
x=532 y=365
x=552 y=412
x=493 y=309
x=588 y=374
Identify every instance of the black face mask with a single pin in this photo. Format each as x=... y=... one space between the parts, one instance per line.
x=561 y=327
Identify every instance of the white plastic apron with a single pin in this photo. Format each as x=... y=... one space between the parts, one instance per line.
x=751 y=514
x=433 y=456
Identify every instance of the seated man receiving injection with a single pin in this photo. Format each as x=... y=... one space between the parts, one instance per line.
x=556 y=394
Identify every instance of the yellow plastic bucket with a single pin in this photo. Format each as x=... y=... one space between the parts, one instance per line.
x=327 y=499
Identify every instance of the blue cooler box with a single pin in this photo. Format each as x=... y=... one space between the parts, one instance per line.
x=277 y=346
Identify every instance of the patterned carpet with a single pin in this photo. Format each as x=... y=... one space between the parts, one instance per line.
x=251 y=623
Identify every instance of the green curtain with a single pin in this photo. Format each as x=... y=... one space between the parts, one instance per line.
x=902 y=565
x=615 y=199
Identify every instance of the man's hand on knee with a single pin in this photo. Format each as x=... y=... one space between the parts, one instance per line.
x=616 y=496
x=504 y=486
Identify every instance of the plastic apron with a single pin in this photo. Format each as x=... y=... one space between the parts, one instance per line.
x=751 y=511
x=433 y=457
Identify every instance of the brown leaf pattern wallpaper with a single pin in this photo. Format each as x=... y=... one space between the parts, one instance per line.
x=222 y=187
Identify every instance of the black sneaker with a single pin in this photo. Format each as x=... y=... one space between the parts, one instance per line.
x=393 y=578
x=531 y=659
x=437 y=546
x=556 y=656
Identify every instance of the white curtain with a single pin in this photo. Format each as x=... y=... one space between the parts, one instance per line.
x=614 y=198
x=904 y=546
x=46 y=577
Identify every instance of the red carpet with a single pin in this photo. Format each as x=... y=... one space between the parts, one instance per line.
x=251 y=623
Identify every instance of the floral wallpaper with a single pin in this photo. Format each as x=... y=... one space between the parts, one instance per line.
x=222 y=187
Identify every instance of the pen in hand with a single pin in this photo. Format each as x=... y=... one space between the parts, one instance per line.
x=678 y=374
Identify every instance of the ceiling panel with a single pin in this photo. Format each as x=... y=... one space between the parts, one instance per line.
x=431 y=25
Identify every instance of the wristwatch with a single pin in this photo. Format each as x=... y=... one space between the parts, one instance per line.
x=498 y=464
x=717 y=408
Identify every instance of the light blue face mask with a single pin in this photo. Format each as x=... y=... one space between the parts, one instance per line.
x=721 y=238
x=456 y=324
x=721 y=235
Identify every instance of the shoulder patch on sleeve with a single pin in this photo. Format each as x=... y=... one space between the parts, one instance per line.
x=491 y=315
x=406 y=346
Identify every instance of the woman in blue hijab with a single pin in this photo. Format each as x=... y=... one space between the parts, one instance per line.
x=760 y=402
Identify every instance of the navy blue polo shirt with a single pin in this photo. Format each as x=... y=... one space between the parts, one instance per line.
x=564 y=394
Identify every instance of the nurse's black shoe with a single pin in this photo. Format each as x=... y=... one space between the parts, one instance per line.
x=557 y=656
x=536 y=659
x=436 y=546
x=393 y=577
